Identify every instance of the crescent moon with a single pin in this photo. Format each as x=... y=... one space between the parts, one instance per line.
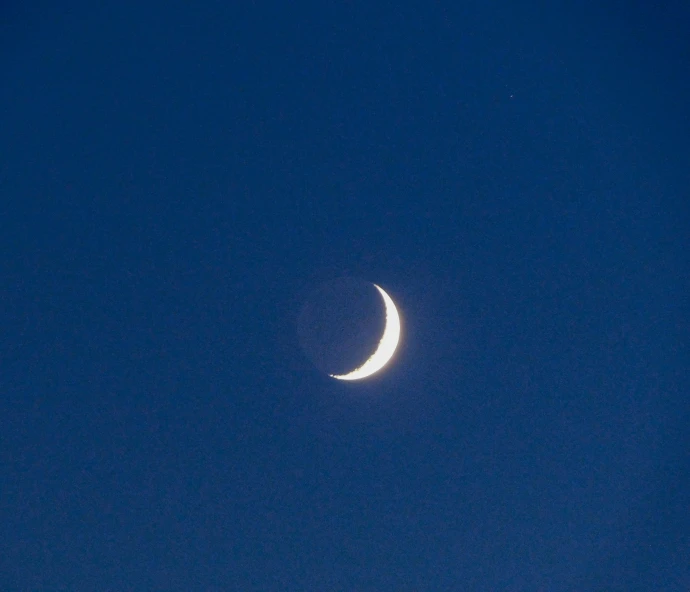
x=386 y=347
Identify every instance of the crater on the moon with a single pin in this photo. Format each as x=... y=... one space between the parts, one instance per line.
x=341 y=324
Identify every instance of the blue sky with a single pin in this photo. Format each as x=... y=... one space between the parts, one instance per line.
x=175 y=178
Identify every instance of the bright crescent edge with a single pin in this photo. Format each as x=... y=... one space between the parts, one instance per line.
x=386 y=347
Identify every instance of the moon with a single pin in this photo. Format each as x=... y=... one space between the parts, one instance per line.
x=386 y=347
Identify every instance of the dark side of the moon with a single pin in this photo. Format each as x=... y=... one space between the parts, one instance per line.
x=341 y=324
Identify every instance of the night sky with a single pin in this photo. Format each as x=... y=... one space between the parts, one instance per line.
x=174 y=180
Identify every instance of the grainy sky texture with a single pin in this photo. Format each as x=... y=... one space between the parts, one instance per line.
x=175 y=177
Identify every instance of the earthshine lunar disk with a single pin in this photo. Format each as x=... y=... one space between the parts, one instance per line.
x=386 y=347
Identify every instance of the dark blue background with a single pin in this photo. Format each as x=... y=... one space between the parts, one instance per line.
x=174 y=177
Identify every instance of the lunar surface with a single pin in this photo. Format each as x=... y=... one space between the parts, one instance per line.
x=349 y=328
x=386 y=347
